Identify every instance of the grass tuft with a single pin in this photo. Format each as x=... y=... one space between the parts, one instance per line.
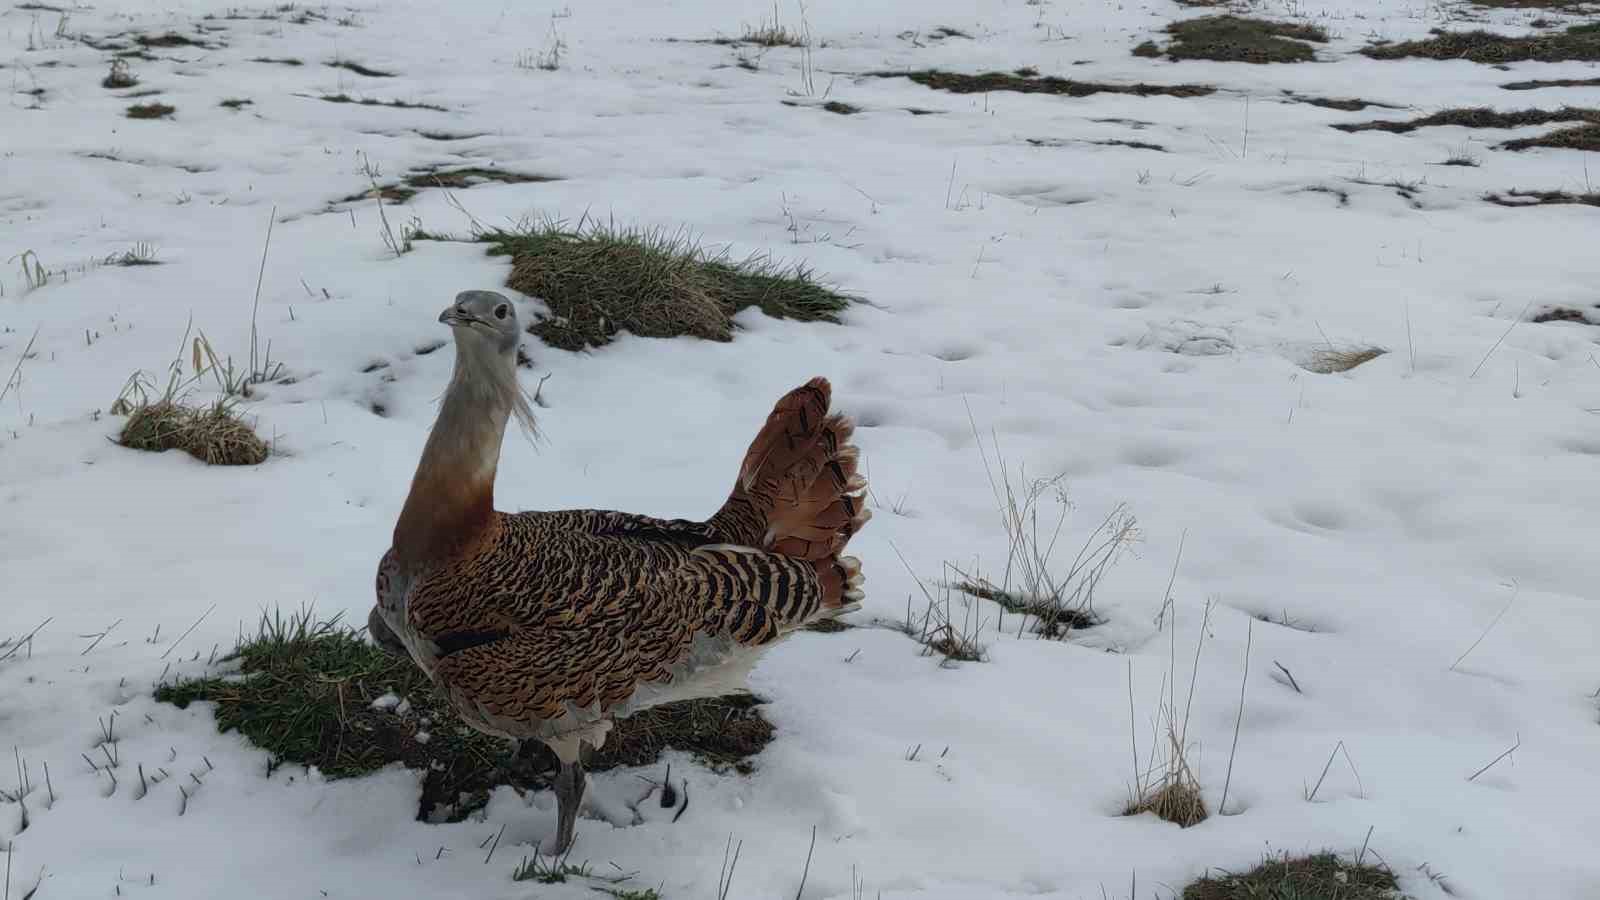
x=281 y=61
x=534 y=868
x=1329 y=361
x=305 y=690
x=170 y=39
x=1549 y=83
x=600 y=280
x=235 y=103
x=1324 y=876
x=150 y=111
x=1579 y=42
x=142 y=253
x=1176 y=800
x=840 y=107
x=1228 y=38
x=214 y=434
x=958 y=83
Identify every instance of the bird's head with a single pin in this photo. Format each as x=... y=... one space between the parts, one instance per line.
x=482 y=320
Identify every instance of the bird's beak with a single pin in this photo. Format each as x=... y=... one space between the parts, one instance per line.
x=452 y=317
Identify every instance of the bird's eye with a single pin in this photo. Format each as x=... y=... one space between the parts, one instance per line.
x=501 y=311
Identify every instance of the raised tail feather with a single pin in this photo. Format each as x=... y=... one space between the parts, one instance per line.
x=798 y=493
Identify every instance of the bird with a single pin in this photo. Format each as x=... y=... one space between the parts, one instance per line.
x=548 y=626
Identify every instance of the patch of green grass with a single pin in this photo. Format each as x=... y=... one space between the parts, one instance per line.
x=1519 y=198
x=1583 y=137
x=958 y=83
x=600 y=280
x=150 y=111
x=1324 y=876
x=305 y=690
x=359 y=69
x=214 y=434
x=1550 y=83
x=1479 y=117
x=371 y=101
x=1579 y=42
x=1237 y=39
x=534 y=868
x=1535 y=4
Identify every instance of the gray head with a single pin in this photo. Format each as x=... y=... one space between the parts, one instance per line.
x=487 y=334
x=483 y=320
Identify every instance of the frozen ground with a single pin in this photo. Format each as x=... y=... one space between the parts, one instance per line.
x=1132 y=319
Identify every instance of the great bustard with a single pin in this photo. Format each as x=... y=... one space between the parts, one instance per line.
x=546 y=626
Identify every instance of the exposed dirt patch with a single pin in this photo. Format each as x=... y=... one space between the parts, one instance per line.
x=1543 y=198
x=1579 y=42
x=1583 y=137
x=1550 y=83
x=1479 y=117
x=1238 y=39
x=319 y=694
x=958 y=83
x=358 y=68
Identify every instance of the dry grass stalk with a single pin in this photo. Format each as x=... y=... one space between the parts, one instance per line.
x=1051 y=601
x=1167 y=784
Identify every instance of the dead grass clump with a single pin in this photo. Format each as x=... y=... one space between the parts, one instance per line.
x=1331 y=360
x=599 y=280
x=1579 y=42
x=215 y=434
x=120 y=76
x=150 y=111
x=1325 y=876
x=1517 y=198
x=1177 y=801
x=840 y=107
x=142 y=253
x=235 y=103
x=316 y=693
x=1550 y=83
x=359 y=69
x=1479 y=117
x=954 y=639
x=1535 y=4
x=1343 y=104
x=1228 y=38
x=958 y=83
x=471 y=175
x=1583 y=137
x=281 y=61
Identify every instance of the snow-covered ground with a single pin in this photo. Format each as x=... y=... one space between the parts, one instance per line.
x=1131 y=319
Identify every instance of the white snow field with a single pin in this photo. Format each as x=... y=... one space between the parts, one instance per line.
x=1411 y=540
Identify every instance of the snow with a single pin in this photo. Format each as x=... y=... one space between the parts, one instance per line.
x=1131 y=319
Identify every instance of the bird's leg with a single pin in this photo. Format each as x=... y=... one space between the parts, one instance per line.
x=570 y=785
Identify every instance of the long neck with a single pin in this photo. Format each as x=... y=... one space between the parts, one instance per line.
x=451 y=503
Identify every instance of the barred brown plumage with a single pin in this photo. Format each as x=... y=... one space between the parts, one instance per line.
x=546 y=626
